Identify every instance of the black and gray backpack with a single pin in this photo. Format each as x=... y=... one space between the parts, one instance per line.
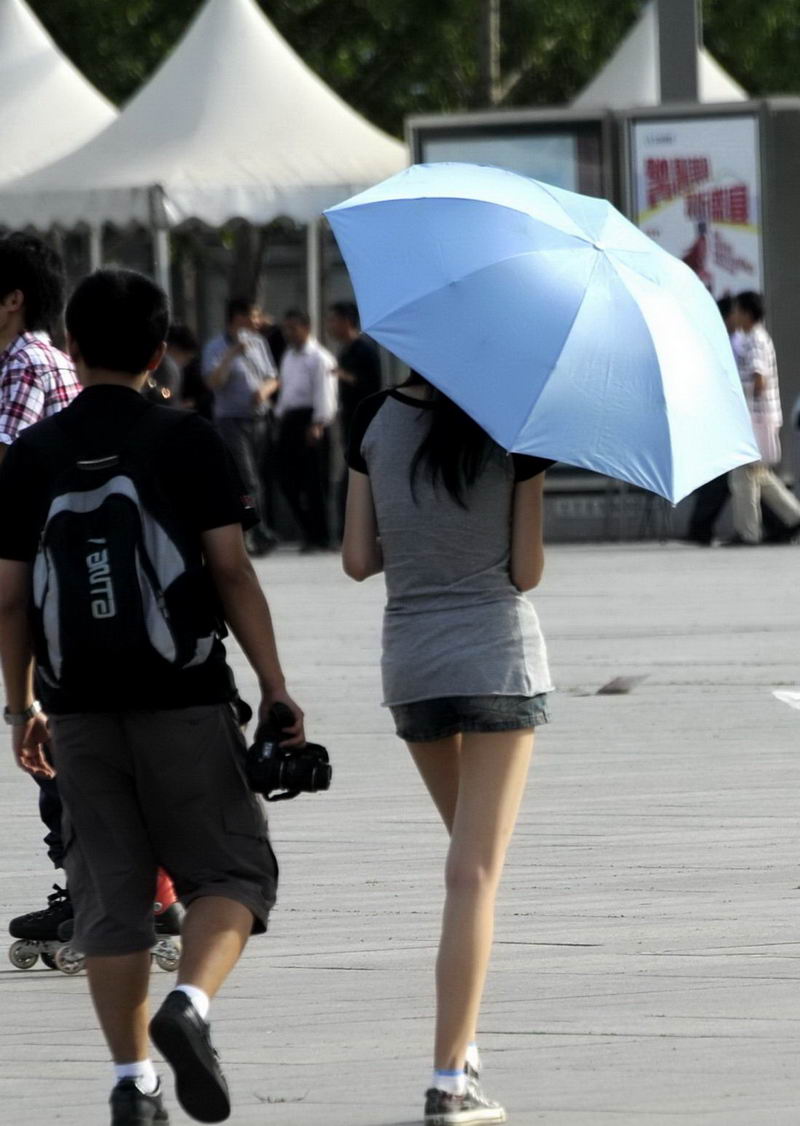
x=115 y=574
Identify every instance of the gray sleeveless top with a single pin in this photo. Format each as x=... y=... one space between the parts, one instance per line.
x=454 y=625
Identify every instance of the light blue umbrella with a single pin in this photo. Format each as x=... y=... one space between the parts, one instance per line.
x=553 y=321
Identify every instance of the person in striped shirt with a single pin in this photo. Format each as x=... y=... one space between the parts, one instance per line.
x=36 y=380
x=758 y=370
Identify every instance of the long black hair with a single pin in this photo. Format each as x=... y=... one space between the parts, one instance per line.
x=455 y=448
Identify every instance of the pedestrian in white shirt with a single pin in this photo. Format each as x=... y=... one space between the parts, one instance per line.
x=306 y=409
x=750 y=484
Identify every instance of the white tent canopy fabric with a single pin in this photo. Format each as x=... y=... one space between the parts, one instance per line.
x=49 y=108
x=631 y=76
x=232 y=125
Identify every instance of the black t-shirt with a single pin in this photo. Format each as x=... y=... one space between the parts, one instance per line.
x=195 y=389
x=360 y=359
x=196 y=477
x=525 y=466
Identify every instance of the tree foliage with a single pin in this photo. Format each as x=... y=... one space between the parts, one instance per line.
x=390 y=59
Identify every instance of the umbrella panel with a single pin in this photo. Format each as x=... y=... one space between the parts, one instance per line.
x=494 y=357
x=398 y=252
x=602 y=407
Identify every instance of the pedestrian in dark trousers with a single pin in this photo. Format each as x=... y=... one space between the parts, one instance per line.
x=305 y=410
x=239 y=369
x=121 y=557
x=37 y=380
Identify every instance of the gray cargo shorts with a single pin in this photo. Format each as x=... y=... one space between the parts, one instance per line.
x=159 y=788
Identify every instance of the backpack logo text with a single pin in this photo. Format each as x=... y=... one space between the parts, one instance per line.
x=100 y=586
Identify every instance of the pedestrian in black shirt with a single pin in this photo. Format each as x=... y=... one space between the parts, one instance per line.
x=358 y=372
x=124 y=521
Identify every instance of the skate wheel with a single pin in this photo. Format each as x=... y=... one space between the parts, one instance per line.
x=166 y=956
x=49 y=961
x=21 y=955
x=68 y=960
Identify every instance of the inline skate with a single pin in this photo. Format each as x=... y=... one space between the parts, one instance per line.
x=37 y=933
x=167 y=949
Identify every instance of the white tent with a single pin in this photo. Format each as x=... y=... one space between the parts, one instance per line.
x=232 y=125
x=631 y=76
x=49 y=108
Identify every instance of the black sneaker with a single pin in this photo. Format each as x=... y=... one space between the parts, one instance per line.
x=130 y=1107
x=182 y=1037
x=43 y=925
x=442 y=1109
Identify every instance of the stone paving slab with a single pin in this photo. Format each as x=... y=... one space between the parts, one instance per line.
x=647 y=965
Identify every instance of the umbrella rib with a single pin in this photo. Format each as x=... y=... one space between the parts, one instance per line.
x=662 y=396
x=546 y=189
x=561 y=352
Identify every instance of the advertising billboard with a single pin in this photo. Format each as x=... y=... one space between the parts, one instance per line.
x=697 y=193
x=568 y=157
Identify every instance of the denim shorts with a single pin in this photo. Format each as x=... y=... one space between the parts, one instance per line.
x=424 y=721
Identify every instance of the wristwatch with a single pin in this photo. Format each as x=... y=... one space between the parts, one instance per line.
x=19 y=719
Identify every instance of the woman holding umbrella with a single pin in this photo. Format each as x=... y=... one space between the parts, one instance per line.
x=455 y=524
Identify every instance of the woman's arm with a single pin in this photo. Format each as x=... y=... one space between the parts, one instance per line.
x=527 y=549
x=361 y=548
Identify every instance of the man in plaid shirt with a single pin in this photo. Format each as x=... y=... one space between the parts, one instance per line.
x=36 y=379
x=750 y=484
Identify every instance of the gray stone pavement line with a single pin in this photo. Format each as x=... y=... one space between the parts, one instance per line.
x=659 y=827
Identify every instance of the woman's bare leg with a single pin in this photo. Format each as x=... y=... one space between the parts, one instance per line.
x=492 y=772
x=438 y=763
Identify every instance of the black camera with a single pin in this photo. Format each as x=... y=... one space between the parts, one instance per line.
x=290 y=770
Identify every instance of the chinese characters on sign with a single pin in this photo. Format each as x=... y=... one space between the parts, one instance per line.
x=721 y=205
x=698 y=196
x=667 y=179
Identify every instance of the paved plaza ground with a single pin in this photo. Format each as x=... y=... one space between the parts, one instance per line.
x=647 y=966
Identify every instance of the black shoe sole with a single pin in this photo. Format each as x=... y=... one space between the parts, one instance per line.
x=139 y=1120
x=199 y=1087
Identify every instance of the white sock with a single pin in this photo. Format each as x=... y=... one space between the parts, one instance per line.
x=451 y=1082
x=142 y=1072
x=200 y=1000
x=473 y=1057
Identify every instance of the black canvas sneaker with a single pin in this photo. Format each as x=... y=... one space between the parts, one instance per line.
x=442 y=1109
x=130 y=1107
x=182 y=1037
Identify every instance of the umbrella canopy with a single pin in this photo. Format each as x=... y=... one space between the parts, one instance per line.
x=48 y=106
x=553 y=321
x=232 y=125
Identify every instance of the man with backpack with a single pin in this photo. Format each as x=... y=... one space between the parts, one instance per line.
x=121 y=557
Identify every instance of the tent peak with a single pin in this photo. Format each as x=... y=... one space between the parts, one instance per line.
x=232 y=123
x=49 y=108
x=631 y=77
